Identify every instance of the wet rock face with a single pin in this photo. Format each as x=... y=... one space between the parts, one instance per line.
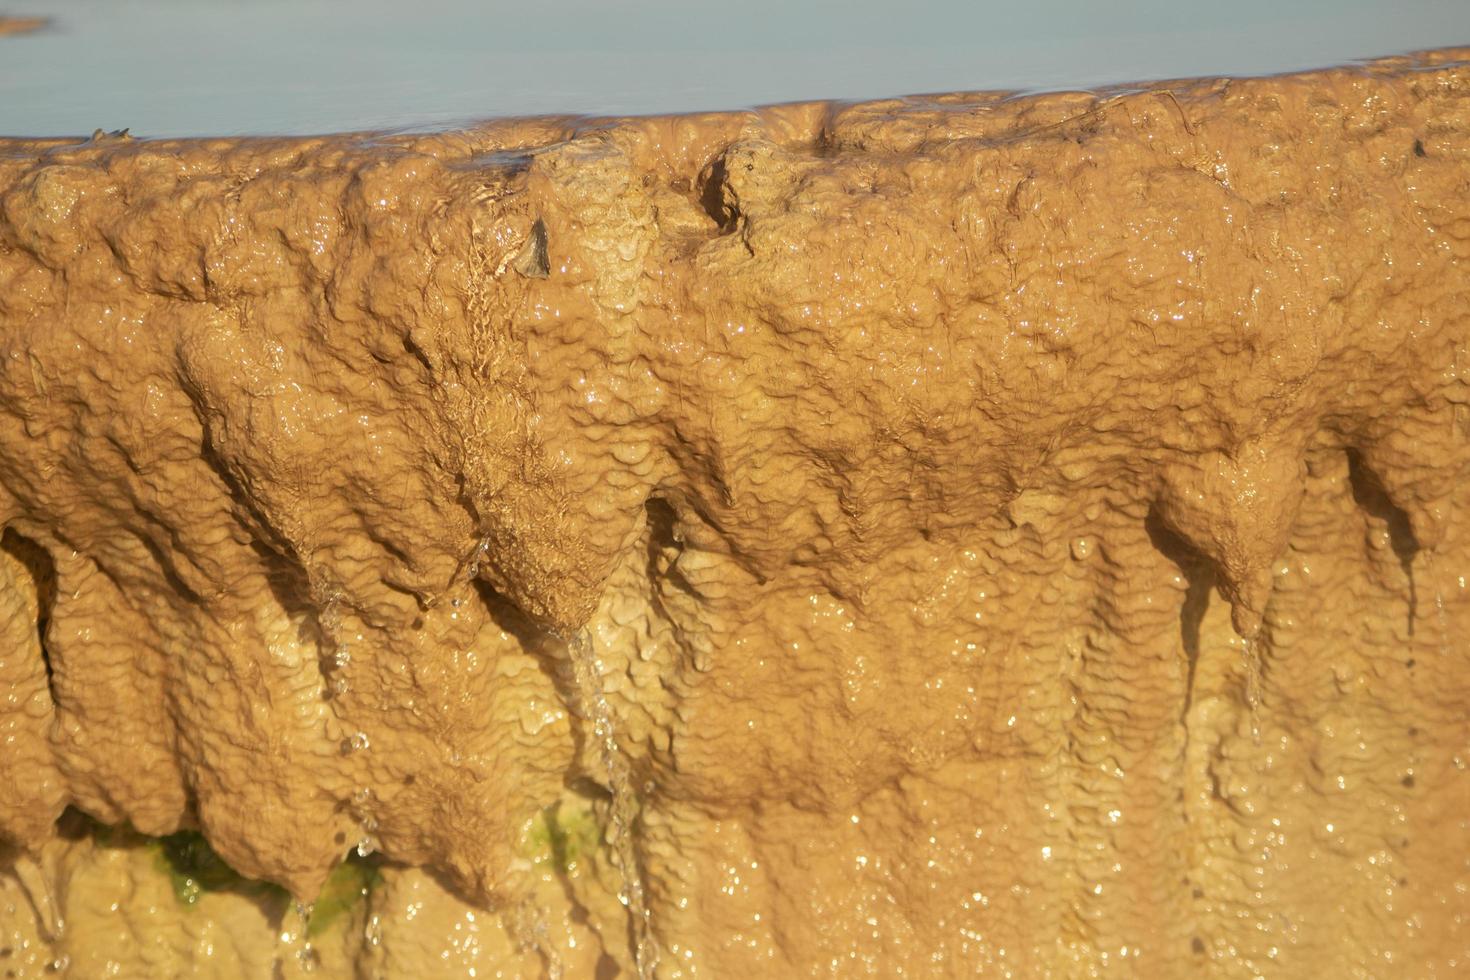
x=999 y=534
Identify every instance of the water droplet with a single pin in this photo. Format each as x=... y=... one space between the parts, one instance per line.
x=307 y=956
x=1252 y=686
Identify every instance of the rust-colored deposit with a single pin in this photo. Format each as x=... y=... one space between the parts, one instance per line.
x=936 y=537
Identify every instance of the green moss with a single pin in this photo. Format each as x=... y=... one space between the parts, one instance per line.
x=563 y=834
x=348 y=884
x=193 y=868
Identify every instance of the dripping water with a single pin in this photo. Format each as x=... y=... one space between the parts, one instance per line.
x=587 y=673
x=329 y=623
x=1252 y=655
x=372 y=931
x=294 y=939
x=472 y=569
x=341 y=659
x=532 y=932
x=306 y=955
x=362 y=800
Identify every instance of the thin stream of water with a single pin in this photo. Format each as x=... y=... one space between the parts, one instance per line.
x=293 y=942
x=1252 y=685
x=528 y=922
x=587 y=672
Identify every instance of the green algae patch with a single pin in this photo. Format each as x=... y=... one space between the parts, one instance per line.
x=194 y=869
x=563 y=834
x=346 y=887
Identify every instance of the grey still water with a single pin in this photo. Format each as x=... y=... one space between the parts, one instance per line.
x=225 y=67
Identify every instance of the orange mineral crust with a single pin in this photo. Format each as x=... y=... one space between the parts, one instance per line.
x=951 y=536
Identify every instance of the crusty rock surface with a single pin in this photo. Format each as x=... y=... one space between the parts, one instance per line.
x=1015 y=535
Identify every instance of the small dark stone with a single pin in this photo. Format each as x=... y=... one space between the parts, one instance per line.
x=1198 y=945
x=1419 y=149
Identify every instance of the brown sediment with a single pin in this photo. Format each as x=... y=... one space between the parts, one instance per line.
x=1017 y=535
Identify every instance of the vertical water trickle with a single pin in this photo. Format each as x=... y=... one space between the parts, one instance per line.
x=528 y=922
x=362 y=800
x=334 y=670
x=306 y=955
x=372 y=930
x=1252 y=684
x=294 y=941
x=587 y=673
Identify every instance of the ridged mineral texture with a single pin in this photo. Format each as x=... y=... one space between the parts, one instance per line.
x=979 y=534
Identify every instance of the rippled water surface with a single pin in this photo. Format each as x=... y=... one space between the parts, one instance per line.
x=190 y=67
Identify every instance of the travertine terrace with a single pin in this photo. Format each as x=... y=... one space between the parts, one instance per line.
x=1017 y=536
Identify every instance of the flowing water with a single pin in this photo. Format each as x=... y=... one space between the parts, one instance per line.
x=1252 y=655
x=293 y=942
x=528 y=924
x=587 y=673
x=334 y=670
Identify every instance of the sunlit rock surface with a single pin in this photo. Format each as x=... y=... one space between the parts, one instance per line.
x=997 y=535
